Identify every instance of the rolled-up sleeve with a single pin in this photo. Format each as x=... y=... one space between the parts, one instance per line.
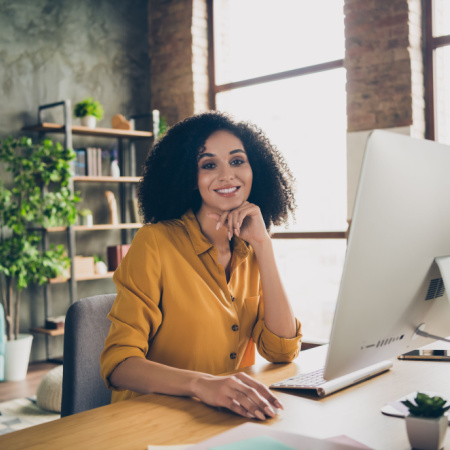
x=272 y=347
x=135 y=315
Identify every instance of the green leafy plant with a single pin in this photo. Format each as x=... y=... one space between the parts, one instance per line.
x=426 y=406
x=39 y=197
x=163 y=127
x=97 y=259
x=85 y=212
x=89 y=107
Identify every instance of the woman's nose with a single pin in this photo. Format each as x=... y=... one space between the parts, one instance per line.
x=226 y=172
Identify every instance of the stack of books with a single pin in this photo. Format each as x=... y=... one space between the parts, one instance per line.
x=88 y=162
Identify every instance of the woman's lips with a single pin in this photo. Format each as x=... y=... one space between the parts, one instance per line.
x=228 y=191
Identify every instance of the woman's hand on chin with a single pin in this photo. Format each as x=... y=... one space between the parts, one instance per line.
x=246 y=221
x=239 y=393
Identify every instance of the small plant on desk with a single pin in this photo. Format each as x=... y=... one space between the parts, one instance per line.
x=427 y=423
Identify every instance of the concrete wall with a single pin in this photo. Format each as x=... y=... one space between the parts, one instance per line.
x=53 y=50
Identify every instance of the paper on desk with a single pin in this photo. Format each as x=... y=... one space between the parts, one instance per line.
x=247 y=431
x=259 y=442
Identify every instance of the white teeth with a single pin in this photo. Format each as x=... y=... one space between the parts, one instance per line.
x=226 y=191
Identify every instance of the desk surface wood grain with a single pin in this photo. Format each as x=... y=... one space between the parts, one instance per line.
x=159 y=419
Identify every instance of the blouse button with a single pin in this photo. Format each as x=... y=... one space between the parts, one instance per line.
x=233 y=355
x=232 y=298
x=235 y=327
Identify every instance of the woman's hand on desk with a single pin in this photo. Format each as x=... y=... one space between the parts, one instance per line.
x=239 y=393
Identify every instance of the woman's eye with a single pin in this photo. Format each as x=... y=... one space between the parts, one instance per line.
x=237 y=162
x=208 y=166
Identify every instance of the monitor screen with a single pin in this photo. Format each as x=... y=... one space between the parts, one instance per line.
x=391 y=283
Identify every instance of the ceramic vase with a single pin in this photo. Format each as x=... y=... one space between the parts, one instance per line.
x=101 y=268
x=426 y=433
x=87 y=220
x=88 y=121
x=17 y=356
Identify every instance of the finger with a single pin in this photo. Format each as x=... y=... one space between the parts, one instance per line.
x=213 y=216
x=233 y=221
x=237 y=221
x=253 y=403
x=222 y=220
x=262 y=390
x=247 y=211
x=234 y=406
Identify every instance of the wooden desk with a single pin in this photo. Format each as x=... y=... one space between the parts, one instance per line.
x=160 y=419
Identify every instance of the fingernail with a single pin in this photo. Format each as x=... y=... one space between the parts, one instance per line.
x=260 y=415
x=278 y=404
x=249 y=414
x=236 y=232
x=229 y=236
x=218 y=225
x=269 y=411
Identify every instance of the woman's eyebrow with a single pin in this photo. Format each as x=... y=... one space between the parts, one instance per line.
x=206 y=155
x=238 y=150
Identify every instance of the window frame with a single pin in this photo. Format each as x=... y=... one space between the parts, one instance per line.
x=214 y=89
x=431 y=44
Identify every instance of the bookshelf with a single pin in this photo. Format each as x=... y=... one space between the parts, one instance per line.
x=126 y=185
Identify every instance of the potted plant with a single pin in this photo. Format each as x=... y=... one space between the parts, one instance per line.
x=86 y=217
x=38 y=197
x=89 y=111
x=426 y=423
x=100 y=266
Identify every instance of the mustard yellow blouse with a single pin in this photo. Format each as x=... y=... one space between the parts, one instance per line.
x=174 y=305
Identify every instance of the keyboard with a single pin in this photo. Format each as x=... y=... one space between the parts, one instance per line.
x=314 y=380
x=304 y=381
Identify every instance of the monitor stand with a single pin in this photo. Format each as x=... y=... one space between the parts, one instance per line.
x=443 y=263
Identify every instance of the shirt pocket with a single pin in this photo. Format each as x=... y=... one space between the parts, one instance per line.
x=249 y=314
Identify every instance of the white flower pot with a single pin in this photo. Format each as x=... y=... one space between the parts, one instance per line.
x=100 y=268
x=426 y=434
x=88 y=121
x=86 y=220
x=17 y=356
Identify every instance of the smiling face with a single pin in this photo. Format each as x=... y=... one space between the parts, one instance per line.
x=224 y=173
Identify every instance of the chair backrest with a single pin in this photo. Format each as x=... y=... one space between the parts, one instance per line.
x=86 y=328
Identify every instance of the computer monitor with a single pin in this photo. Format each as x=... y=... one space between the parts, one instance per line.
x=391 y=283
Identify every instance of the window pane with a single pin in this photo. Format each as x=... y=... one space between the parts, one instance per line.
x=311 y=271
x=442 y=94
x=441 y=17
x=258 y=37
x=305 y=118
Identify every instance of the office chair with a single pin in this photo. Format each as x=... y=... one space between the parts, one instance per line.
x=86 y=328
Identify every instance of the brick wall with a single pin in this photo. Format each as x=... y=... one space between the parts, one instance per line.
x=179 y=57
x=383 y=59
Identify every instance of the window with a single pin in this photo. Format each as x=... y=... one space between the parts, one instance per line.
x=437 y=26
x=280 y=65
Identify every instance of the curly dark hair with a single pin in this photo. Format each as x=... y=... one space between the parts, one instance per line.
x=169 y=185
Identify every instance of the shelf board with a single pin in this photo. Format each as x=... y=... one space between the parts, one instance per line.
x=103 y=226
x=107 y=179
x=57 y=332
x=82 y=278
x=94 y=276
x=85 y=131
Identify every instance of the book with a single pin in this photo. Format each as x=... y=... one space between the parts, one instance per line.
x=80 y=162
x=115 y=254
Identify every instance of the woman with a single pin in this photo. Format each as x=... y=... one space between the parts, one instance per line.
x=199 y=285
